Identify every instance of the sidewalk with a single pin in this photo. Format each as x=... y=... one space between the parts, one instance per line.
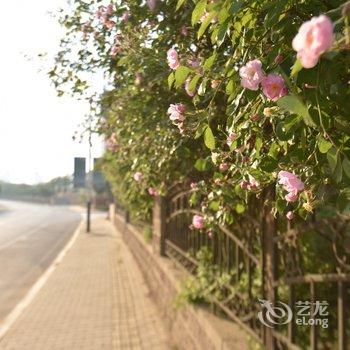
x=95 y=299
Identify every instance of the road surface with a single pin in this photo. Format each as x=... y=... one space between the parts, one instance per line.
x=31 y=237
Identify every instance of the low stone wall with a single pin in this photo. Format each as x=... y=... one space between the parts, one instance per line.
x=190 y=327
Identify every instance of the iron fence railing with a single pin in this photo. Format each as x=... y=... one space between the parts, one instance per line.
x=265 y=260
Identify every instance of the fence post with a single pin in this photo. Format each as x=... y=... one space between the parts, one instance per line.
x=269 y=262
x=111 y=213
x=159 y=223
x=127 y=217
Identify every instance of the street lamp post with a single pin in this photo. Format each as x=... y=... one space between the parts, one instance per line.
x=89 y=188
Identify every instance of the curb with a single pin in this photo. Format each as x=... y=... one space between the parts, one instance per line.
x=34 y=290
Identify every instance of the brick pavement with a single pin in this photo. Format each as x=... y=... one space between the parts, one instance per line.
x=95 y=299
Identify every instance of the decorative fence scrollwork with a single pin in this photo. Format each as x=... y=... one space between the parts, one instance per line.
x=265 y=260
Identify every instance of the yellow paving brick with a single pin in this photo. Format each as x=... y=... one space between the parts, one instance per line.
x=95 y=299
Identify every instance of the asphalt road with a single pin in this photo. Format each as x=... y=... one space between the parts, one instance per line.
x=31 y=237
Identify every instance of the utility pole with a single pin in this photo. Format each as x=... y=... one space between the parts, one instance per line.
x=89 y=187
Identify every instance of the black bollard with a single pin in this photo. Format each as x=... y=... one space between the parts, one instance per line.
x=88 y=216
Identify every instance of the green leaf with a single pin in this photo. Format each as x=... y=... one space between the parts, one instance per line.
x=293 y=104
x=343 y=201
x=180 y=75
x=230 y=87
x=205 y=24
x=123 y=61
x=291 y=122
x=240 y=208
x=282 y=133
x=281 y=205
x=194 y=199
x=200 y=130
x=202 y=164
x=274 y=150
x=338 y=172
x=214 y=205
x=193 y=84
x=323 y=145
x=209 y=139
x=332 y=158
x=202 y=87
x=219 y=33
x=210 y=61
x=198 y=11
x=179 y=4
x=258 y=145
x=297 y=67
x=268 y=164
x=236 y=6
x=223 y=15
x=171 y=79
x=346 y=166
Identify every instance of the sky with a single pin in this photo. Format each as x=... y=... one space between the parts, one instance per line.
x=36 y=126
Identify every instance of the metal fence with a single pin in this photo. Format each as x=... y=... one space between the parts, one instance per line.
x=266 y=259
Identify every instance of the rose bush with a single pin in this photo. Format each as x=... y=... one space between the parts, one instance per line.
x=225 y=71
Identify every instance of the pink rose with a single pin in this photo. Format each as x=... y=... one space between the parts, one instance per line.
x=153 y=191
x=198 y=222
x=279 y=59
x=86 y=28
x=223 y=166
x=291 y=197
x=173 y=59
x=231 y=138
x=290 y=182
x=251 y=75
x=111 y=143
x=193 y=185
x=253 y=185
x=245 y=159
x=117 y=39
x=290 y=215
x=152 y=4
x=189 y=92
x=109 y=24
x=125 y=16
x=210 y=233
x=138 y=176
x=205 y=16
x=184 y=31
x=176 y=111
x=239 y=149
x=313 y=39
x=194 y=62
x=255 y=117
x=114 y=50
x=109 y=9
x=274 y=87
x=214 y=84
x=100 y=13
x=138 y=79
x=244 y=185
